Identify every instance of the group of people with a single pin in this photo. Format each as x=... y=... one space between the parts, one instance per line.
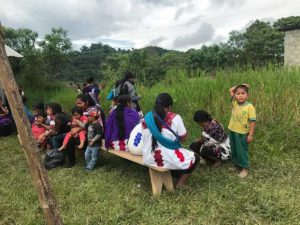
x=157 y=136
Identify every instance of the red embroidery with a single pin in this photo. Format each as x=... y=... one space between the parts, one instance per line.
x=122 y=145
x=158 y=158
x=144 y=125
x=179 y=155
x=191 y=164
x=170 y=116
x=111 y=144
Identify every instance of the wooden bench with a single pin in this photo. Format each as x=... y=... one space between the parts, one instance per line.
x=159 y=176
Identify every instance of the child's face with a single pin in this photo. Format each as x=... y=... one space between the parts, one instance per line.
x=76 y=116
x=36 y=111
x=241 y=95
x=49 y=111
x=92 y=119
x=41 y=119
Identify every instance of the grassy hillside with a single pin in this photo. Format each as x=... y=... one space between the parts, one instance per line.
x=118 y=192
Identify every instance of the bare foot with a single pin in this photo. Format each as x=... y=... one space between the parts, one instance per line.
x=62 y=148
x=244 y=173
x=182 y=180
x=217 y=164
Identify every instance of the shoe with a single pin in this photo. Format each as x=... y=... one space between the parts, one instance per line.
x=244 y=173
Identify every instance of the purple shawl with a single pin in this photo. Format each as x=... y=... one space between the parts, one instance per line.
x=131 y=119
x=4 y=120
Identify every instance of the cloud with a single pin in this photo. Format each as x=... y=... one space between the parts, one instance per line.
x=82 y=19
x=162 y=2
x=217 y=4
x=179 y=12
x=204 y=34
x=156 y=41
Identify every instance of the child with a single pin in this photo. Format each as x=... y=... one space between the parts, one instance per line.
x=213 y=145
x=38 y=128
x=241 y=126
x=37 y=108
x=76 y=130
x=94 y=134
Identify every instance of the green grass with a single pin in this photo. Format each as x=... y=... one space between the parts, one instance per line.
x=119 y=192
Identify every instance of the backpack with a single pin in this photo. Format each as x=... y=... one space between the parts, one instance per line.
x=53 y=158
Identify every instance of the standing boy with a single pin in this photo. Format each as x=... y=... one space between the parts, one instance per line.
x=94 y=137
x=241 y=126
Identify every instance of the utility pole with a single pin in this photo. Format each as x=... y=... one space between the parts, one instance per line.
x=36 y=168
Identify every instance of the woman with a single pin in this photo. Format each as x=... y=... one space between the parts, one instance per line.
x=126 y=87
x=162 y=132
x=86 y=103
x=6 y=124
x=213 y=145
x=120 y=123
x=61 y=128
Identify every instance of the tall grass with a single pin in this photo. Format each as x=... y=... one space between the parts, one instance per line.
x=118 y=192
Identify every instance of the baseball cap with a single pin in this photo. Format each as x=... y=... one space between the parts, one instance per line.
x=92 y=112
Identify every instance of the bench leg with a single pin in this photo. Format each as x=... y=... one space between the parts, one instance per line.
x=160 y=179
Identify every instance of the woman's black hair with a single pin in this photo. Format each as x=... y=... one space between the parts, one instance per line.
x=39 y=106
x=42 y=114
x=56 y=108
x=202 y=116
x=163 y=101
x=86 y=99
x=90 y=80
x=123 y=100
x=128 y=75
x=77 y=109
x=118 y=82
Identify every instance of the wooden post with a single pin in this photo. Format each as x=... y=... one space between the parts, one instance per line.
x=37 y=170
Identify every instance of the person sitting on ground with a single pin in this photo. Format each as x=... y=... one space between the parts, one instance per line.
x=6 y=124
x=38 y=128
x=213 y=145
x=76 y=129
x=120 y=123
x=162 y=132
x=94 y=135
x=126 y=87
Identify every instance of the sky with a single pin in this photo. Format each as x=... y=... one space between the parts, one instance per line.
x=127 y=24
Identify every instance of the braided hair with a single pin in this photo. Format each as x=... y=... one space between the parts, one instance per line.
x=163 y=101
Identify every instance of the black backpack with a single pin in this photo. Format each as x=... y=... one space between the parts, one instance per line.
x=53 y=158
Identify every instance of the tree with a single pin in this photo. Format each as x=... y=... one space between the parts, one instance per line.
x=22 y=40
x=55 y=48
x=290 y=22
x=263 y=44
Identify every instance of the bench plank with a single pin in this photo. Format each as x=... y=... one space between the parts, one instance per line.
x=160 y=177
x=134 y=158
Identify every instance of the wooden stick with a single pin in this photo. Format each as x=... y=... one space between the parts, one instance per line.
x=37 y=170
